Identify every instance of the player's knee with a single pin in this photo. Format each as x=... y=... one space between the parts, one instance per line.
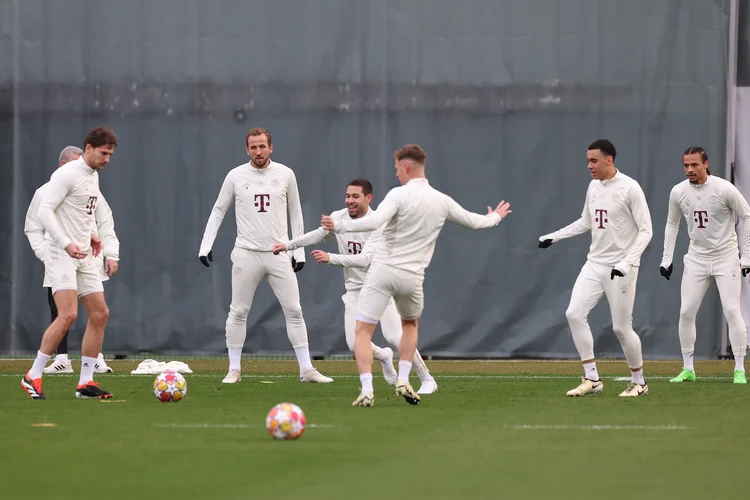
x=99 y=315
x=67 y=317
x=574 y=316
x=293 y=312
x=687 y=315
x=238 y=313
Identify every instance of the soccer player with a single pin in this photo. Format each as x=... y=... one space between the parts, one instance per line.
x=72 y=261
x=709 y=205
x=356 y=252
x=413 y=215
x=34 y=231
x=616 y=213
x=262 y=191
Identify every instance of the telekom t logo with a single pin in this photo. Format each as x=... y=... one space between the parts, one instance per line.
x=701 y=217
x=262 y=201
x=354 y=247
x=600 y=217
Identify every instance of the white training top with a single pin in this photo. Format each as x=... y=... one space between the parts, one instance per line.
x=413 y=215
x=617 y=214
x=709 y=210
x=356 y=248
x=105 y=224
x=262 y=197
x=67 y=209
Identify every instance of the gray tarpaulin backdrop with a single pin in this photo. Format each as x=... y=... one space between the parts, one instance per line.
x=504 y=95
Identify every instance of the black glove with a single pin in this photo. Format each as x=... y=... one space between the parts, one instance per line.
x=666 y=271
x=615 y=272
x=545 y=243
x=204 y=259
x=297 y=266
x=745 y=271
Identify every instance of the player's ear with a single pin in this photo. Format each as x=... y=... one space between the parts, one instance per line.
x=369 y=198
x=270 y=149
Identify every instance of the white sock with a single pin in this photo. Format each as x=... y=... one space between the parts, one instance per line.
x=378 y=353
x=62 y=357
x=366 y=379
x=404 y=367
x=303 y=358
x=235 y=358
x=39 y=363
x=687 y=361
x=637 y=377
x=590 y=371
x=739 y=363
x=87 y=370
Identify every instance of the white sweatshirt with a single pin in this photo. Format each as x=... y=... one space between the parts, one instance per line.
x=67 y=209
x=262 y=197
x=617 y=214
x=413 y=215
x=710 y=210
x=356 y=249
x=105 y=225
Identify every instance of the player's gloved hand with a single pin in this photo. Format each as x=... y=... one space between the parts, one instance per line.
x=297 y=266
x=206 y=258
x=745 y=271
x=666 y=271
x=546 y=243
x=616 y=272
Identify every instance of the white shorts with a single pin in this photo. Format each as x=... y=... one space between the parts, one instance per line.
x=383 y=283
x=63 y=272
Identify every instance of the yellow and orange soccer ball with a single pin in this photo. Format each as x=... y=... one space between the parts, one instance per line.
x=286 y=421
x=170 y=386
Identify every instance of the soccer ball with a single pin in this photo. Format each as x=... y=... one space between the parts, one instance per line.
x=170 y=386
x=286 y=421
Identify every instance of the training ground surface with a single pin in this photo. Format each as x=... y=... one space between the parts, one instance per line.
x=494 y=430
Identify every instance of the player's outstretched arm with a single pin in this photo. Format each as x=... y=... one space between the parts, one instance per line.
x=578 y=227
x=33 y=228
x=740 y=207
x=363 y=259
x=459 y=215
x=385 y=212
x=670 y=235
x=642 y=218
x=226 y=196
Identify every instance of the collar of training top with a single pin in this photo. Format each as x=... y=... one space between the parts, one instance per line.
x=419 y=180
x=701 y=186
x=271 y=163
x=613 y=179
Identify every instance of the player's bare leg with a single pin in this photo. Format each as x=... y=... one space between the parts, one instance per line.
x=93 y=336
x=406 y=349
x=382 y=354
x=363 y=353
x=67 y=312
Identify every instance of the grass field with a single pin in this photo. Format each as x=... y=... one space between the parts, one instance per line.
x=494 y=430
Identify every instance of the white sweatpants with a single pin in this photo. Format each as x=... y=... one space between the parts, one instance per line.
x=593 y=281
x=248 y=268
x=390 y=325
x=696 y=278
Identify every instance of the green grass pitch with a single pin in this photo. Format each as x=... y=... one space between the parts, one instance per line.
x=494 y=430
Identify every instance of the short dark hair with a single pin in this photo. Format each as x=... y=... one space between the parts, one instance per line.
x=698 y=150
x=411 y=152
x=256 y=132
x=100 y=136
x=605 y=146
x=364 y=184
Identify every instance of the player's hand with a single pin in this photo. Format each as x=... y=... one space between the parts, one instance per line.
x=278 y=248
x=502 y=209
x=74 y=251
x=96 y=245
x=326 y=222
x=546 y=243
x=205 y=259
x=616 y=272
x=111 y=267
x=745 y=271
x=320 y=256
x=297 y=266
x=667 y=271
